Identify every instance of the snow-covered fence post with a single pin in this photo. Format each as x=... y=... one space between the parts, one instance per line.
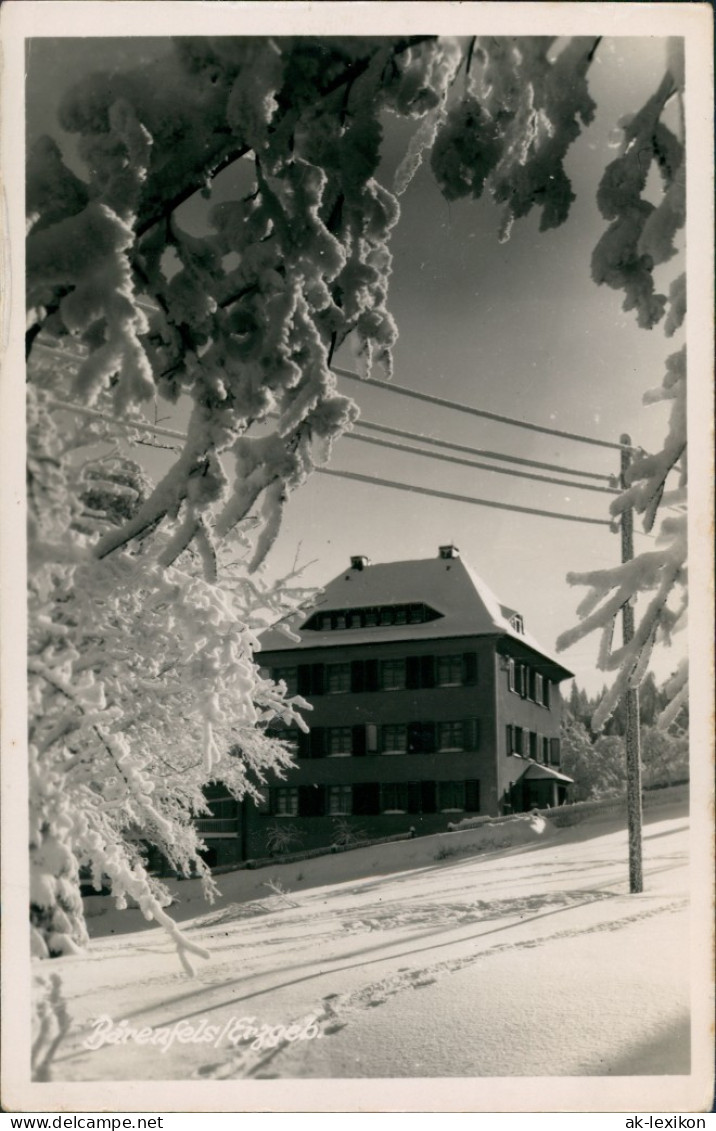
x=633 y=744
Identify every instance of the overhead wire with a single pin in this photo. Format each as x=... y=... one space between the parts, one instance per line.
x=429 y=398
x=479 y=466
x=459 y=498
x=450 y=446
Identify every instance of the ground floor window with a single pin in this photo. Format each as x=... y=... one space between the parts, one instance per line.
x=340 y=800
x=394 y=797
x=285 y=802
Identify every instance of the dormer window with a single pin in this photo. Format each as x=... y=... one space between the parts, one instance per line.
x=372 y=617
x=517 y=623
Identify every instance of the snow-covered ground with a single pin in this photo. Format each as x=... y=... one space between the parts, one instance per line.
x=530 y=960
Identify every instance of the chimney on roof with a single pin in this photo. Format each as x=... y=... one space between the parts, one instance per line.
x=359 y=562
x=449 y=552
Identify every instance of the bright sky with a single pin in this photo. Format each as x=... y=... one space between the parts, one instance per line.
x=517 y=329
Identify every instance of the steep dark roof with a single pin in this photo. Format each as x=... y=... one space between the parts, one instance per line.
x=450 y=586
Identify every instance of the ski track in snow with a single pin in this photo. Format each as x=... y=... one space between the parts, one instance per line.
x=309 y=956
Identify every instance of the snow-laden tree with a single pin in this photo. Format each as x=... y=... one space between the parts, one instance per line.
x=142 y=667
x=640 y=237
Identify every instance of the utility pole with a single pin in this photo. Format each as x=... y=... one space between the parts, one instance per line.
x=633 y=740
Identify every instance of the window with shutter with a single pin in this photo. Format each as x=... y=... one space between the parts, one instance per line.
x=451 y=796
x=392 y=675
x=340 y=742
x=340 y=800
x=393 y=738
x=337 y=678
x=451 y=736
x=284 y=801
x=289 y=677
x=450 y=671
x=394 y=797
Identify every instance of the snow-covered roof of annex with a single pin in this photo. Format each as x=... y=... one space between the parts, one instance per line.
x=446 y=584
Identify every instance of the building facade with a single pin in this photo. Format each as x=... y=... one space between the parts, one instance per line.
x=430 y=703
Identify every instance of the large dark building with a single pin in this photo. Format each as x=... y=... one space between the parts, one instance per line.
x=430 y=703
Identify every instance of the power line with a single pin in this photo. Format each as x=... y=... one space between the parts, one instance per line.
x=479 y=466
x=430 y=399
x=361 y=423
x=459 y=498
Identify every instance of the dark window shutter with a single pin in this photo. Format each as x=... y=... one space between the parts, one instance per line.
x=469 y=668
x=545 y=692
x=427 y=671
x=317 y=679
x=414 y=797
x=311 y=801
x=471 y=734
x=509 y=739
x=472 y=796
x=428 y=738
x=304 y=744
x=415 y=738
x=366 y=799
x=318 y=742
x=412 y=672
x=554 y=751
x=371 y=675
x=358 y=740
x=303 y=679
x=357 y=675
x=428 y=797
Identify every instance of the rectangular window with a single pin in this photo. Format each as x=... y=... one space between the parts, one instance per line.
x=285 y=802
x=415 y=614
x=392 y=675
x=517 y=747
x=523 y=680
x=338 y=678
x=545 y=750
x=394 y=738
x=289 y=677
x=340 y=742
x=394 y=797
x=370 y=618
x=451 y=736
x=340 y=800
x=451 y=796
x=450 y=671
x=354 y=620
x=533 y=746
x=400 y=615
x=341 y=620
